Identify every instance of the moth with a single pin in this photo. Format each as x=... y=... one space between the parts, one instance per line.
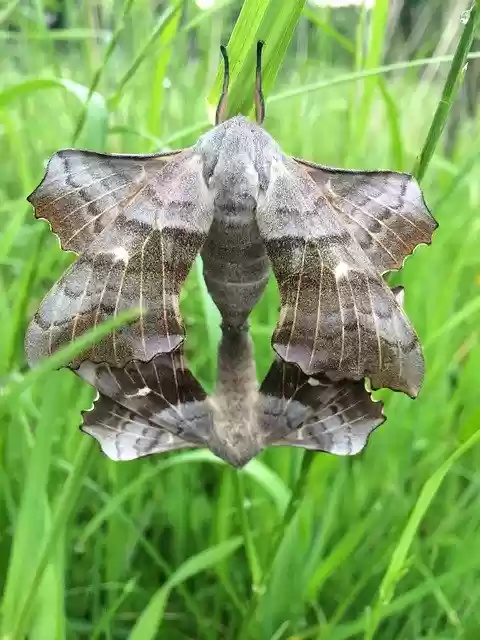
x=137 y=223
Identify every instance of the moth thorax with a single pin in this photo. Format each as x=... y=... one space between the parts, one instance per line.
x=235 y=194
x=236 y=437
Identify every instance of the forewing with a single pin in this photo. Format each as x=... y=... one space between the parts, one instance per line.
x=337 y=316
x=148 y=237
x=384 y=211
x=315 y=413
x=146 y=408
x=83 y=191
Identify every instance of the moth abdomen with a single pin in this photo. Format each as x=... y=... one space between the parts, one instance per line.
x=236 y=436
x=235 y=263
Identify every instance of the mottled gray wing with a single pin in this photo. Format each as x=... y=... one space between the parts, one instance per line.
x=384 y=211
x=146 y=408
x=124 y=435
x=138 y=223
x=315 y=413
x=82 y=192
x=337 y=316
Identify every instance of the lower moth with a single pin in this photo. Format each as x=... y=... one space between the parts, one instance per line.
x=137 y=223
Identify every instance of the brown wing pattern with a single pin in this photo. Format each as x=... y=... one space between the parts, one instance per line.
x=83 y=191
x=138 y=222
x=146 y=408
x=155 y=407
x=337 y=317
x=383 y=210
x=316 y=413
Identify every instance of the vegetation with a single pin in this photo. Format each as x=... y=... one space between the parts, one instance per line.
x=383 y=545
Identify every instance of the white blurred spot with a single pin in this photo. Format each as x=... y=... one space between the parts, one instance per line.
x=205 y=4
x=465 y=16
x=258 y=588
x=144 y=391
x=341 y=270
x=119 y=253
x=313 y=382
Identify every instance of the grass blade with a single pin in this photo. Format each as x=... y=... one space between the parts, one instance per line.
x=248 y=542
x=373 y=57
x=396 y=565
x=449 y=92
x=94 y=108
x=258 y=20
x=264 y=476
x=16 y=628
x=282 y=531
x=100 y=70
x=163 y=22
x=10 y=392
x=149 y=622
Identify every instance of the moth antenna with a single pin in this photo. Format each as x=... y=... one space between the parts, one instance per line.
x=222 y=103
x=258 y=95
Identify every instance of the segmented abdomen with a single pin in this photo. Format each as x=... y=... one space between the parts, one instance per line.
x=235 y=262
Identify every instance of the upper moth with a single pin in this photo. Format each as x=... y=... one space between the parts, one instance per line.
x=138 y=222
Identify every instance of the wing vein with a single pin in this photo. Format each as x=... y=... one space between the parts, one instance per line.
x=297 y=297
x=317 y=324
x=374 y=316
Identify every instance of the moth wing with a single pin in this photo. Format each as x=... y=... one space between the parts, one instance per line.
x=316 y=413
x=82 y=192
x=146 y=408
x=138 y=222
x=337 y=316
x=124 y=435
x=384 y=210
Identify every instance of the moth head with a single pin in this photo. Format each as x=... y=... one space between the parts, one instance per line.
x=221 y=112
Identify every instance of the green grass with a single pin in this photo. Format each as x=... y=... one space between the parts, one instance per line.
x=384 y=545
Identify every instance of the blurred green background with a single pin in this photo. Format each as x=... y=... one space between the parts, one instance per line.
x=384 y=545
